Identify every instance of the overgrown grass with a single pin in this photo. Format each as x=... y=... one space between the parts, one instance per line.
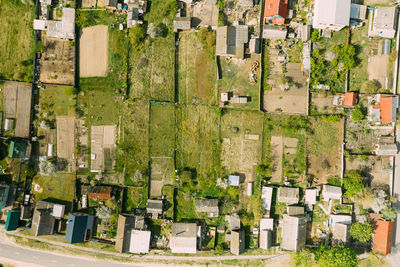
x=162 y=130
x=16 y=39
x=58 y=100
x=59 y=186
x=322 y=137
x=136 y=197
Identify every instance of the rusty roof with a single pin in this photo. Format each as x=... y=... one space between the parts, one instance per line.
x=383 y=237
x=350 y=99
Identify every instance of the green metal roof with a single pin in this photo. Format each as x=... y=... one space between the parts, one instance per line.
x=12 y=220
x=17 y=149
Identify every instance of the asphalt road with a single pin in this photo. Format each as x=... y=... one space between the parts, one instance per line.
x=28 y=257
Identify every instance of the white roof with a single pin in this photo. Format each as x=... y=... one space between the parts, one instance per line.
x=58 y=211
x=140 y=241
x=234 y=180
x=311 y=196
x=339 y=218
x=331 y=192
x=39 y=24
x=331 y=12
x=266 y=196
x=267 y=224
x=68 y=20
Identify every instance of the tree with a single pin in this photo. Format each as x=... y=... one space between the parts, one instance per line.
x=303 y=258
x=315 y=36
x=369 y=87
x=362 y=231
x=136 y=35
x=353 y=183
x=154 y=31
x=359 y=112
x=339 y=256
x=389 y=214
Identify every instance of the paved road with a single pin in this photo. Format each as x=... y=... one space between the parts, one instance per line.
x=28 y=257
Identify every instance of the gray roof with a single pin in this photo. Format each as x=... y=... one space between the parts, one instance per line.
x=183 y=238
x=42 y=222
x=288 y=195
x=385 y=18
x=231 y=40
x=331 y=192
x=154 y=206
x=208 y=205
x=233 y=221
x=139 y=241
x=237 y=242
x=386 y=149
x=182 y=23
x=293 y=232
x=274 y=32
x=295 y=210
x=340 y=234
x=126 y=223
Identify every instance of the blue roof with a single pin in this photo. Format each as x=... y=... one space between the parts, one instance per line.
x=234 y=180
x=77 y=226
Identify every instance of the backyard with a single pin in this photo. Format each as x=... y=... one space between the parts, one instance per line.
x=17 y=39
x=59 y=186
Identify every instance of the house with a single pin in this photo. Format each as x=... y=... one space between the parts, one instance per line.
x=154 y=207
x=304 y=32
x=210 y=206
x=274 y=32
x=237 y=242
x=184 y=237
x=254 y=45
x=266 y=196
x=340 y=218
x=126 y=224
x=294 y=210
x=44 y=218
x=100 y=192
x=79 y=227
x=383 y=22
x=331 y=15
x=331 y=192
x=4 y=191
x=139 y=241
x=182 y=23
x=266 y=229
x=26 y=212
x=311 y=196
x=12 y=220
x=58 y=29
x=234 y=180
x=293 y=232
x=382 y=238
x=275 y=11
x=350 y=99
x=340 y=234
x=231 y=40
x=17 y=149
x=386 y=109
x=288 y=195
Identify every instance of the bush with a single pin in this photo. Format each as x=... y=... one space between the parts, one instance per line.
x=136 y=35
x=389 y=214
x=359 y=113
x=315 y=36
x=369 y=87
x=339 y=256
x=361 y=231
x=353 y=183
x=334 y=180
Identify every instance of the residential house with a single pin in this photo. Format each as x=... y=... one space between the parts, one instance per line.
x=26 y=212
x=140 y=241
x=155 y=207
x=293 y=232
x=237 y=242
x=234 y=180
x=100 y=192
x=385 y=111
x=126 y=224
x=358 y=12
x=383 y=22
x=266 y=196
x=182 y=23
x=340 y=234
x=386 y=146
x=274 y=32
x=12 y=220
x=331 y=192
x=350 y=99
x=136 y=9
x=79 y=227
x=382 y=238
x=231 y=40
x=331 y=15
x=45 y=216
x=4 y=191
x=185 y=237
x=266 y=229
x=288 y=195
x=275 y=11
x=254 y=45
x=210 y=206
x=58 y=29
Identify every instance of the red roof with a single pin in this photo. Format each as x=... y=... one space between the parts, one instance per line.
x=386 y=108
x=275 y=11
x=383 y=237
x=350 y=99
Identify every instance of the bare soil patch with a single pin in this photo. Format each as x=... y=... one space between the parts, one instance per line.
x=378 y=69
x=323 y=103
x=103 y=148
x=93 y=57
x=162 y=169
x=57 y=63
x=66 y=142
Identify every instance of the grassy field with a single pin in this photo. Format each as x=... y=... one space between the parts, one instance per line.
x=198 y=140
x=136 y=197
x=162 y=130
x=197 y=69
x=359 y=74
x=59 y=186
x=16 y=39
x=59 y=100
x=152 y=70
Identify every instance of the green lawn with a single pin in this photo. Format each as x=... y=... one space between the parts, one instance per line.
x=162 y=130
x=136 y=197
x=16 y=39
x=59 y=186
x=59 y=100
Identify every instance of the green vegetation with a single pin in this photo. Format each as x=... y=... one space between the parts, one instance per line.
x=334 y=257
x=161 y=10
x=136 y=197
x=334 y=180
x=322 y=137
x=57 y=100
x=162 y=130
x=303 y=258
x=361 y=231
x=315 y=36
x=353 y=183
x=17 y=41
x=59 y=186
x=389 y=214
x=359 y=112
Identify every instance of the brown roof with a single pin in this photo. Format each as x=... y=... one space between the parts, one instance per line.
x=383 y=237
x=100 y=192
x=350 y=99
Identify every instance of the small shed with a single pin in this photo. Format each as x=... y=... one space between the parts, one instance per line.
x=288 y=195
x=237 y=242
x=234 y=180
x=266 y=196
x=12 y=220
x=331 y=192
x=350 y=99
x=311 y=196
x=224 y=97
x=249 y=189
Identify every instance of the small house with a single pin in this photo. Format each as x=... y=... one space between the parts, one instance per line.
x=231 y=40
x=79 y=227
x=311 y=196
x=350 y=99
x=233 y=221
x=154 y=207
x=234 y=180
x=17 y=149
x=331 y=192
x=266 y=196
x=139 y=241
x=100 y=192
x=294 y=230
x=185 y=237
x=12 y=220
x=383 y=22
x=45 y=216
x=331 y=15
x=288 y=195
x=209 y=206
x=275 y=11
x=386 y=109
x=182 y=23
x=126 y=224
x=266 y=229
x=4 y=191
x=274 y=32
x=340 y=218
x=237 y=242
x=382 y=238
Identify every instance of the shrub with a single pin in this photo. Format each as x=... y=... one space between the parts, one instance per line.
x=389 y=214
x=359 y=113
x=334 y=180
x=361 y=231
x=315 y=36
x=369 y=87
x=353 y=183
x=303 y=258
x=339 y=256
x=136 y=35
